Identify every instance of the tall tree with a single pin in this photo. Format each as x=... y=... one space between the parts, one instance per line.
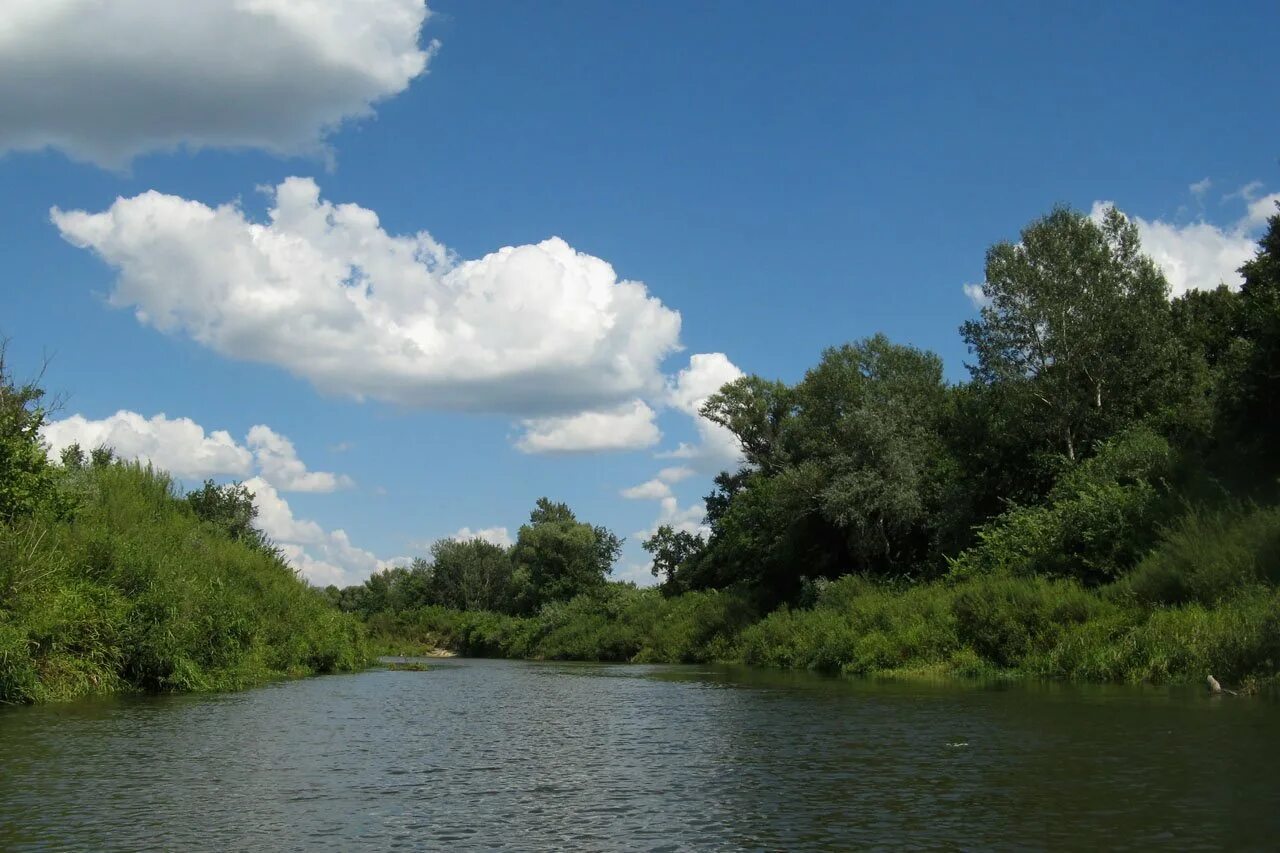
x=1075 y=337
x=26 y=478
x=1258 y=409
x=561 y=555
x=470 y=575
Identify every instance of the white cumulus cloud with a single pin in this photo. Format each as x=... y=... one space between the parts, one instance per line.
x=717 y=448
x=279 y=464
x=107 y=80
x=177 y=445
x=690 y=519
x=627 y=427
x=322 y=556
x=977 y=295
x=1195 y=255
x=650 y=490
x=183 y=448
x=323 y=291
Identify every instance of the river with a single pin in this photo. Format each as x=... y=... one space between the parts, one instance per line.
x=491 y=755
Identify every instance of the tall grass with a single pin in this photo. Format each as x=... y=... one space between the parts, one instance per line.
x=136 y=593
x=1202 y=601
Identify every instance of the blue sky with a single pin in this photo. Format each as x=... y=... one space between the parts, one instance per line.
x=783 y=179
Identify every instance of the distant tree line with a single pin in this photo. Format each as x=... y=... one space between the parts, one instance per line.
x=555 y=558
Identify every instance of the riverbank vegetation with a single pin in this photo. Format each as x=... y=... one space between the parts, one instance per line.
x=111 y=580
x=1097 y=502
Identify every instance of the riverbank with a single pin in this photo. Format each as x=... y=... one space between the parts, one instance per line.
x=136 y=588
x=980 y=627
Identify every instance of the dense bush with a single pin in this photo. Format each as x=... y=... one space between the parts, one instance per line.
x=1210 y=556
x=137 y=592
x=1097 y=521
x=617 y=622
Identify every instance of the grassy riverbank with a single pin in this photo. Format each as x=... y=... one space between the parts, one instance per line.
x=126 y=589
x=1203 y=601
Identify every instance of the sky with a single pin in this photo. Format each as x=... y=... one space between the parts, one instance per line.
x=405 y=270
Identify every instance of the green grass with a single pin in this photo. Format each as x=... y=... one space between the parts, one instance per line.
x=1202 y=601
x=136 y=594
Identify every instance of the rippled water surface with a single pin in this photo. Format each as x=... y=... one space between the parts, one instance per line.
x=502 y=755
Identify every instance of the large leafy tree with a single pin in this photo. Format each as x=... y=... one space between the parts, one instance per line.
x=1257 y=408
x=671 y=549
x=27 y=480
x=1076 y=336
x=561 y=556
x=470 y=575
x=846 y=472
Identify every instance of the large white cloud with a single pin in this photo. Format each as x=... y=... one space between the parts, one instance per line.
x=178 y=445
x=1193 y=255
x=106 y=80
x=183 y=448
x=323 y=291
x=628 y=427
x=322 y=556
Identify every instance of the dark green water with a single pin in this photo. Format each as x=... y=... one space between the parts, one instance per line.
x=500 y=755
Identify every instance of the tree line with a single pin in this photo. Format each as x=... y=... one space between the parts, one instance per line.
x=555 y=558
x=1096 y=411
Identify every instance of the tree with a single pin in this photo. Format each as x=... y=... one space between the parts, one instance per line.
x=672 y=549
x=229 y=507
x=1258 y=403
x=1076 y=338
x=755 y=410
x=561 y=555
x=27 y=480
x=470 y=575
x=847 y=471
x=868 y=415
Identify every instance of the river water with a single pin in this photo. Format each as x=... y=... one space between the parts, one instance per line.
x=492 y=755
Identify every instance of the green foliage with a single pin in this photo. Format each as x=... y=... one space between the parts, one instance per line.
x=228 y=508
x=27 y=480
x=1210 y=556
x=470 y=575
x=670 y=550
x=138 y=593
x=614 y=622
x=1097 y=521
x=562 y=556
x=848 y=473
x=1076 y=334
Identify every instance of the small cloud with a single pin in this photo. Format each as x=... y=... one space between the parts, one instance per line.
x=651 y=490
x=1246 y=193
x=675 y=474
x=493 y=535
x=977 y=295
x=278 y=463
x=1199 y=188
x=1262 y=209
x=630 y=426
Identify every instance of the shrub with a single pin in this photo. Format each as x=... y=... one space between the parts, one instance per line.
x=1208 y=556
